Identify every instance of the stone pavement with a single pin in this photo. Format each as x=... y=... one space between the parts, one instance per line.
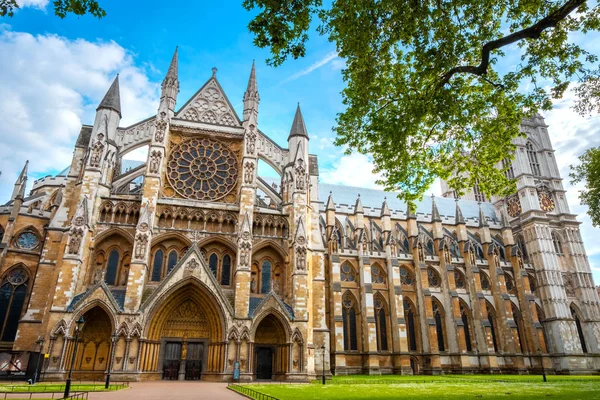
x=197 y=390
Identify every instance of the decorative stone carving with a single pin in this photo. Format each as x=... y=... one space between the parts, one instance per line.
x=420 y=252
x=124 y=276
x=248 y=172
x=300 y=175
x=301 y=258
x=545 y=198
x=245 y=249
x=513 y=206
x=161 y=128
x=75 y=238
x=192 y=264
x=333 y=240
x=250 y=139
x=154 y=163
x=141 y=242
x=97 y=151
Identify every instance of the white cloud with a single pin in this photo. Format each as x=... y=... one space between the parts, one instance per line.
x=39 y=4
x=324 y=61
x=352 y=170
x=50 y=86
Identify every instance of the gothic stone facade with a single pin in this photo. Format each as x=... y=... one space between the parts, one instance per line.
x=190 y=265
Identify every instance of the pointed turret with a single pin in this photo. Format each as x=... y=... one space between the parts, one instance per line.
x=246 y=224
x=507 y=233
x=385 y=209
x=484 y=232
x=359 y=221
x=330 y=204
x=170 y=85
x=459 y=219
x=435 y=214
x=19 y=190
x=358 y=207
x=251 y=97
x=410 y=213
x=112 y=98
x=504 y=220
x=298 y=126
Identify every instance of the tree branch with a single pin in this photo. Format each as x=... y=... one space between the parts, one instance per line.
x=532 y=32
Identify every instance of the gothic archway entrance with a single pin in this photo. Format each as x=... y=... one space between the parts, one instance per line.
x=271 y=350
x=185 y=337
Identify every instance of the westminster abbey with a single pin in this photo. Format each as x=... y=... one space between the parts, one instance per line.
x=191 y=266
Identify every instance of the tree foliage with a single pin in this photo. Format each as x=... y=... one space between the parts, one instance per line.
x=429 y=89
x=588 y=172
x=61 y=8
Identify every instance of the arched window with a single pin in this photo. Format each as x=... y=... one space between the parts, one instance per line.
x=349 y=322
x=533 y=159
x=521 y=243
x=347 y=273
x=429 y=247
x=439 y=324
x=459 y=280
x=380 y=325
x=377 y=274
x=557 y=244
x=226 y=270
x=485 y=282
x=579 y=330
x=111 y=267
x=433 y=278
x=213 y=263
x=464 y=315
x=265 y=284
x=409 y=316
x=157 y=265
x=479 y=195
x=172 y=261
x=454 y=249
x=508 y=168
x=406 y=277
x=491 y=316
x=12 y=299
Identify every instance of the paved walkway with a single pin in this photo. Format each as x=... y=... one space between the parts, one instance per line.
x=170 y=390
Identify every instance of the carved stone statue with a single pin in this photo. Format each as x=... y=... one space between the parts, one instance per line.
x=161 y=127
x=140 y=246
x=250 y=140
x=253 y=285
x=124 y=276
x=154 y=164
x=97 y=151
x=248 y=172
x=301 y=258
x=300 y=175
x=75 y=241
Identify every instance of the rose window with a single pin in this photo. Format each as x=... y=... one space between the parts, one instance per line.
x=202 y=169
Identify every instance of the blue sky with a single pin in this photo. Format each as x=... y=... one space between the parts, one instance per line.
x=56 y=71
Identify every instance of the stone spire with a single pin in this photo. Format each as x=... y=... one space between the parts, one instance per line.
x=19 y=190
x=112 y=98
x=298 y=126
x=330 y=204
x=459 y=219
x=435 y=214
x=504 y=220
x=251 y=97
x=170 y=85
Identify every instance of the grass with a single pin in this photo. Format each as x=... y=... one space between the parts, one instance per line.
x=56 y=388
x=447 y=387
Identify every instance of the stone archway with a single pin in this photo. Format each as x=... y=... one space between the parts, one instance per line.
x=271 y=350
x=185 y=339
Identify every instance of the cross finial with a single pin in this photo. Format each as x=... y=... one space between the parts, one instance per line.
x=214 y=71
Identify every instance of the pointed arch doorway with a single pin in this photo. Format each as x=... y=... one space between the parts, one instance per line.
x=185 y=336
x=271 y=350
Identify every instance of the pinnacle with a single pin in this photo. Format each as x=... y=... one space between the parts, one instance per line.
x=112 y=98
x=298 y=126
x=459 y=219
x=174 y=66
x=435 y=214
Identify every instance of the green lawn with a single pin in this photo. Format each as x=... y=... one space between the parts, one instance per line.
x=451 y=387
x=55 y=388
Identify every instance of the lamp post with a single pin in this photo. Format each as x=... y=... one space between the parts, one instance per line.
x=323 y=348
x=37 y=363
x=110 y=362
x=542 y=364
x=79 y=325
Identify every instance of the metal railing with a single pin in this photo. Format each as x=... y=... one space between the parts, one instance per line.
x=50 y=387
x=78 y=396
x=253 y=394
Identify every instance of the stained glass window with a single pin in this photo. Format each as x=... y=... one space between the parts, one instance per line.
x=485 y=283
x=157 y=266
x=226 y=270
x=409 y=314
x=377 y=275
x=380 y=325
x=349 y=322
x=213 y=263
x=172 y=261
x=406 y=277
x=111 y=267
x=459 y=280
x=347 y=274
x=579 y=330
x=12 y=299
x=433 y=278
x=265 y=285
x=439 y=327
x=533 y=159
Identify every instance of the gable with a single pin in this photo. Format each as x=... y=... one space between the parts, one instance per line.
x=210 y=105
